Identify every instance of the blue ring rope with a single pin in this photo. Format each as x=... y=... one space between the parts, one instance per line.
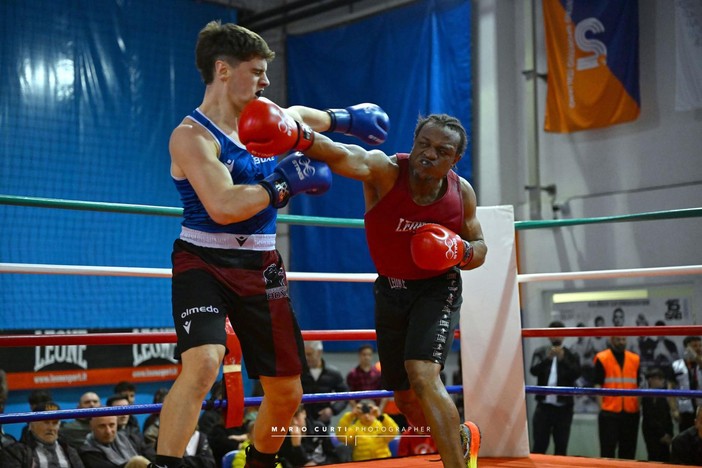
x=324 y=397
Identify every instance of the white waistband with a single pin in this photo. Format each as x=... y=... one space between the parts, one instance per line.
x=225 y=240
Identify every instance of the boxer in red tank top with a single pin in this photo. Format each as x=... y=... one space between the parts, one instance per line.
x=421 y=228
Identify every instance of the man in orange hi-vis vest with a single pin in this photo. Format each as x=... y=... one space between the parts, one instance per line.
x=618 y=421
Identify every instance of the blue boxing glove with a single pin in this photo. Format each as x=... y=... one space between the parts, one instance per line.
x=367 y=122
x=296 y=173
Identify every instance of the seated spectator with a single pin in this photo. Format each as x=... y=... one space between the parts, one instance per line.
x=128 y=389
x=131 y=431
x=106 y=447
x=42 y=447
x=198 y=453
x=320 y=377
x=74 y=432
x=416 y=441
x=36 y=397
x=222 y=439
x=307 y=443
x=153 y=421
x=5 y=439
x=368 y=431
x=687 y=445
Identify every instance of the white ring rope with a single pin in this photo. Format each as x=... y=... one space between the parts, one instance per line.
x=84 y=270
x=605 y=274
x=36 y=268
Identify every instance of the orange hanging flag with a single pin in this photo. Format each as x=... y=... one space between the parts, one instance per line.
x=592 y=50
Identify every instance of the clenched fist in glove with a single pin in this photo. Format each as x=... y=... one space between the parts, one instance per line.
x=435 y=247
x=294 y=174
x=266 y=130
x=367 y=122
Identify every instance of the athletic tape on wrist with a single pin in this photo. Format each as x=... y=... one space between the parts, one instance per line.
x=467 y=254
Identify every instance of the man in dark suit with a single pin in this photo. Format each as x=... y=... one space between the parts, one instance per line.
x=554 y=365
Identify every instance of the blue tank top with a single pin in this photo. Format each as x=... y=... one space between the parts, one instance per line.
x=244 y=169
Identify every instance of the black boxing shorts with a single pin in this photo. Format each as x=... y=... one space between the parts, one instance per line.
x=251 y=288
x=415 y=320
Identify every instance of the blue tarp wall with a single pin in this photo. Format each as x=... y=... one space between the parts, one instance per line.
x=411 y=61
x=90 y=94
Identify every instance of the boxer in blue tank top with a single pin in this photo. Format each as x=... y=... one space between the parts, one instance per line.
x=225 y=263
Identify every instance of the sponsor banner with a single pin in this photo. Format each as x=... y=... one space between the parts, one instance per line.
x=593 y=63
x=80 y=365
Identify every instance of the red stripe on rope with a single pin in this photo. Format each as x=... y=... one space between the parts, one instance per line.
x=8 y=341
x=671 y=330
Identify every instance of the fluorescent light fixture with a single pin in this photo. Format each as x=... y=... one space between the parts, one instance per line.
x=591 y=296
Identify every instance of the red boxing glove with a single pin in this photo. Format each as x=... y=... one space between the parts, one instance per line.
x=266 y=130
x=435 y=247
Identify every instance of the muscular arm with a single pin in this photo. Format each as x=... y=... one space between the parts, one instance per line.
x=318 y=120
x=471 y=229
x=194 y=156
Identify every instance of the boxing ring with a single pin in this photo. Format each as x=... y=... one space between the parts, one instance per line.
x=494 y=456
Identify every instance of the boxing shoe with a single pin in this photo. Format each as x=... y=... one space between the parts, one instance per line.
x=470 y=438
x=253 y=459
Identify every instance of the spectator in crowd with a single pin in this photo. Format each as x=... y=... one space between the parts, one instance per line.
x=365 y=376
x=666 y=352
x=647 y=346
x=37 y=397
x=292 y=453
x=106 y=447
x=368 y=431
x=133 y=433
x=687 y=374
x=687 y=445
x=222 y=439
x=321 y=377
x=598 y=343
x=583 y=348
x=618 y=317
x=618 y=420
x=128 y=389
x=152 y=422
x=75 y=432
x=198 y=453
x=554 y=365
x=307 y=443
x=41 y=448
x=5 y=439
x=656 y=421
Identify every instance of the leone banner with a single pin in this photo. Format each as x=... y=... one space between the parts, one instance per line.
x=592 y=52
x=80 y=365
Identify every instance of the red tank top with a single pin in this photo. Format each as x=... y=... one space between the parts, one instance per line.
x=391 y=223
